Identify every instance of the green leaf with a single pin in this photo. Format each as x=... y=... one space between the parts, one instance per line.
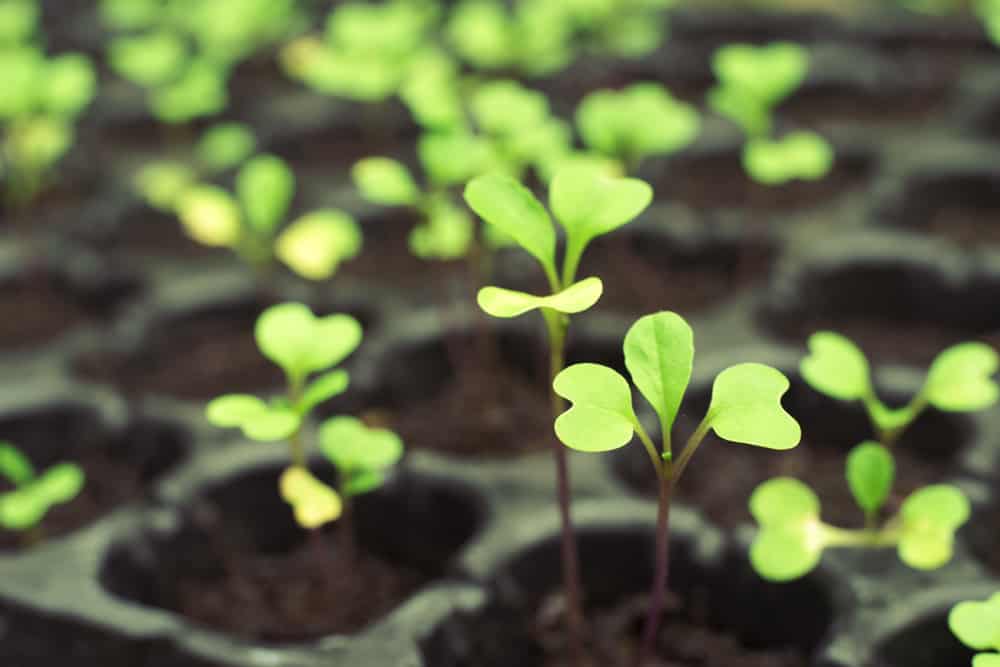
x=200 y=91
x=150 y=59
x=482 y=33
x=960 y=378
x=23 y=69
x=601 y=418
x=18 y=21
x=783 y=500
x=69 y=85
x=313 y=502
x=930 y=517
x=59 y=484
x=791 y=540
x=659 y=354
x=987 y=659
x=316 y=244
x=870 y=473
x=38 y=142
x=225 y=145
x=210 y=216
x=272 y=425
x=162 y=183
x=300 y=343
x=798 y=155
x=750 y=114
x=265 y=186
x=130 y=14
x=505 y=107
x=505 y=303
x=506 y=204
x=836 y=367
x=14 y=465
x=446 y=234
x=977 y=624
x=233 y=410
x=765 y=73
x=452 y=158
x=746 y=407
x=385 y=181
x=322 y=389
x=21 y=509
x=357 y=451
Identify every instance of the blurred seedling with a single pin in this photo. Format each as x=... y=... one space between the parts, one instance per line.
x=249 y=223
x=977 y=625
x=745 y=408
x=587 y=203
x=23 y=507
x=753 y=81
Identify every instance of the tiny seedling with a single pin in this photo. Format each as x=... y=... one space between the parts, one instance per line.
x=308 y=348
x=745 y=408
x=314 y=245
x=34 y=494
x=587 y=203
x=988 y=12
x=753 y=81
x=977 y=625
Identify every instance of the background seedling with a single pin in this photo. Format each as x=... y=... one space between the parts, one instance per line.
x=977 y=625
x=659 y=353
x=313 y=245
x=587 y=203
x=34 y=494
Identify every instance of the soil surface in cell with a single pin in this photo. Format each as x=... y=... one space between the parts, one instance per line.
x=33 y=312
x=967 y=225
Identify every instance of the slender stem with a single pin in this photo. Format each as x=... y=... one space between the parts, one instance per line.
x=691 y=447
x=298 y=450
x=647 y=442
x=662 y=557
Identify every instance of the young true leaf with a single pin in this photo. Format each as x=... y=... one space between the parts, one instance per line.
x=313 y=502
x=210 y=216
x=977 y=624
x=746 y=407
x=322 y=389
x=659 y=354
x=316 y=244
x=385 y=181
x=960 y=378
x=790 y=541
x=300 y=343
x=798 y=155
x=225 y=145
x=836 y=367
x=930 y=517
x=15 y=466
x=505 y=303
x=870 y=472
x=265 y=186
x=361 y=454
x=601 y=418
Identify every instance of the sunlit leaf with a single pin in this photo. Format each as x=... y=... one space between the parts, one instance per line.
x=265 y=186
x=836 y=367
x=210 y=216
x=960 y=379
x=746 y=407
x=576 y=298
x=870 y=473
x=313 y=502
x=601 y=416
x=315 y=245
x=659 y=354
x=385 y=181
x=296 y=340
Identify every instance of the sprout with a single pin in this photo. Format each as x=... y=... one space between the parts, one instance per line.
x=659 y=353
x=977 y=625
x=798 y=155
x=34 y=494
x=314 y=245
x=988 y=12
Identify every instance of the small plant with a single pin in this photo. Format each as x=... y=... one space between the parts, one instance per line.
x=313 y=245
x=307 y=349
x=977 y=625
x=38 y=111
x=753 y=81
x=988 y=12
x=659 y=352
x=34 y=494
x=587 y=203
x=792 y=536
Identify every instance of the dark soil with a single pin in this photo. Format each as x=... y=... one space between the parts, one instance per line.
x=821 y=107
x=150 y=233
x=35 y=311
x=967 y=225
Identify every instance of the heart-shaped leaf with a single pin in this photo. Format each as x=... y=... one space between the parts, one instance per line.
x=752 y=115
x=799 y=155
x=576 y=298
x=506 y=204
x=265 y=186
x=791 y=540
x=14 y=465
x=258 y=420
x=659 y=354
x=292 y=337
x=505 y=107
x=746 y=407
x=313 y=502
x=960 y=378
x=977 y=624
x=870 y=473
x=930 y=517
x=601 y=417
x=316 y=244
x=766 y=73
x=385 y=181
x=210 y=216
x=836 y=367
x=361 y=454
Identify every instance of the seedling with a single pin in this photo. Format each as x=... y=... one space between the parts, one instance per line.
x=977 y=625
x=792 y=536
x=39 y=109
x=753 y=81
x=988 y=12
x=608 y=124
x=314 y=245
x=34 y=494
x=587 y=203
x=659 y=352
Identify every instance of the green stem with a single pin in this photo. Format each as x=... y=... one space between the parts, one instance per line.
x=298 y=450
x=662 y=558
x=691 y=447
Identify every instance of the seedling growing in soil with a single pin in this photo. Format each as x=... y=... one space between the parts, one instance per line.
x=23 y=508
x=753 y=81
x=38 y=111
x=587 y=203
x=977 y=625
x=314 y=245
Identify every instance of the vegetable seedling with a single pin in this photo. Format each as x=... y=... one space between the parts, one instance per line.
x=314 y=245
x=745 y=408
x=587 y=203
x=34 y=494
x=977 y=625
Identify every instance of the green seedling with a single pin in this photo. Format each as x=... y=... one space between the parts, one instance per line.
x=308 y=349
x=314 y=245
x=608 y=124
x=977 y=625
x=34 y=494
x=988 y=12
x=659 y=353
x=587 y=203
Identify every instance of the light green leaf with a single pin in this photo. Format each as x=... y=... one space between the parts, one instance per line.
x=234 y=410
x=225 y=145
x=783 y=500
x=836 y=367
x=987 y=659
x=210 y=216
x=59 y=484
x=930 y=517
x=130 y=14
x=746 y=407
x=162 y=183
x=765 y=73
x=505 y=303
x=313 y=502
x=601 y=418
x=292 y=337
x=14 y=465
x=316 y=244
x=659 y=354
x=385 y=181
x=23 y=69
x=506 y=204
x=265 y=186
x=18 y=21
x=150 y=59
x=977 y=624
x=200 y=91
x=69 y=85
x=505 y=107
x=272 y=425
x=791 y=540
x=453 y=158
x=322 y=389
x=445 y=235
x=21 y=509
x=870 y=473
x=355 y=448
x=750 y=114
x=960 y=378
x=798 y=155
